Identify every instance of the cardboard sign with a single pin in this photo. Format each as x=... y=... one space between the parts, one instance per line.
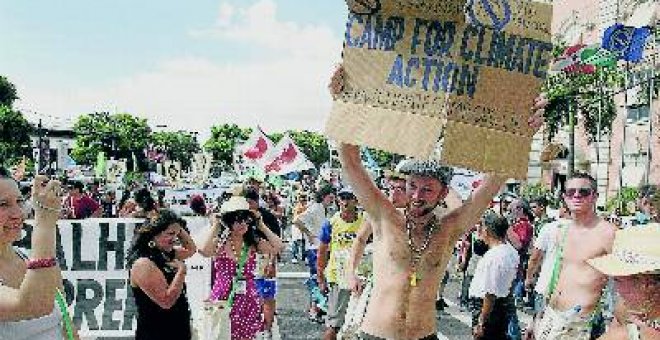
x=416 y=71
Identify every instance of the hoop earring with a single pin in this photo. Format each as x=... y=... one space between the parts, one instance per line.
x=152 y=244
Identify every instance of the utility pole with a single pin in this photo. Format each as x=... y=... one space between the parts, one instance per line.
x=40 y=148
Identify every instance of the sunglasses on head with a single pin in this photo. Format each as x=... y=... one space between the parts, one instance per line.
x=582 y=192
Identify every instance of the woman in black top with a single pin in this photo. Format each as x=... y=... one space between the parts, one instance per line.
x=157 y=276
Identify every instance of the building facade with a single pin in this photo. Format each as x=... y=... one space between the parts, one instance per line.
x=630 y=154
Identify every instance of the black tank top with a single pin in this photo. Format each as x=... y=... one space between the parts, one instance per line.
x=156 y=323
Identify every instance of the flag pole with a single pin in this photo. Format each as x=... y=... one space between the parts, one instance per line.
x=649 y=151
x=623 y=139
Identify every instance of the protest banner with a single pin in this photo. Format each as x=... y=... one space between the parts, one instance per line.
x=92 y=256
x=115 y=171
x=173 y=173
x=464 y=73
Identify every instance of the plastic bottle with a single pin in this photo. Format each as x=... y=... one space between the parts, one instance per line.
x=572 y=313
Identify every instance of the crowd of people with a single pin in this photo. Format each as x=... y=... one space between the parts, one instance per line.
x=580 y=275
x=388 y=246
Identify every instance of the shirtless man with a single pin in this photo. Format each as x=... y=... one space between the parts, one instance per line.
x=412 y=248
x=396 y=183
x=578 y=285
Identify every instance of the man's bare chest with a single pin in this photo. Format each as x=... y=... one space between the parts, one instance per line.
x=398 y=248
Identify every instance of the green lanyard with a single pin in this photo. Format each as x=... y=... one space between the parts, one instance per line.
x=65 y=314
x=556 y=267
x=239 y=271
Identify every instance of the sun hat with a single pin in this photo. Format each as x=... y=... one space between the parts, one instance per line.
x=233 y=204
x=636 y=250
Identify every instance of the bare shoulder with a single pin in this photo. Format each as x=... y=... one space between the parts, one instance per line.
x=143 y=266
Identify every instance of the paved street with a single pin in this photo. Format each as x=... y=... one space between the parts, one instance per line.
x=292 y=309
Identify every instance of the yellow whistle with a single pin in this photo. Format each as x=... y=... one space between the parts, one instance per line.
x=413 y=279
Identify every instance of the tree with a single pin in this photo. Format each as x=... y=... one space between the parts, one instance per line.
x=586 y=95
x=119 y=135
x=314 y=145
x=385 y=159
x=7 y=92
x=179 y=146
x=223 y=142
x=14 y=136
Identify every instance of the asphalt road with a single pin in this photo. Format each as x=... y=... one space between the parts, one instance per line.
x=292 y=305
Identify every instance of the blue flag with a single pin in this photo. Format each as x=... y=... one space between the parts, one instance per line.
x=626 y=42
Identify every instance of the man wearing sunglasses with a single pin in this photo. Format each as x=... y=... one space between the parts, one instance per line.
x=575 y=288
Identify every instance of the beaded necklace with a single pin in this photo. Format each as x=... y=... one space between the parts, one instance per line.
x=416 y=253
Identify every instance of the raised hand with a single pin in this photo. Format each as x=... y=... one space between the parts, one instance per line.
x=47 y=198
x=536 y=120
x=337 y=82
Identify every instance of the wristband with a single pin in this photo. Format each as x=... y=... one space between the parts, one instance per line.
x=41 y=263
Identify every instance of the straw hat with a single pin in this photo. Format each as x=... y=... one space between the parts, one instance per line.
x=233 y=204
x=636 y=250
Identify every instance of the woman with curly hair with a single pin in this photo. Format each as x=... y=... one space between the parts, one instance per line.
x=157 y=277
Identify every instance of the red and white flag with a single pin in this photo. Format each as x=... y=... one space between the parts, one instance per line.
x=287 y=158
x=257 y=147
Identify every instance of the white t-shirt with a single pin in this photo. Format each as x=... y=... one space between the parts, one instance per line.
x=313 y=218
x=546 y=242
x=495 y=272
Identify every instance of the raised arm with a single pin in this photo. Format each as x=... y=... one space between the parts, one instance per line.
x=209 y=243
x=274 y=241
x=36 y=294
x=467 y=215
x=187 y=247
x=370 y=197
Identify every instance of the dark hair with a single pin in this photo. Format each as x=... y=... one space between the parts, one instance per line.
x=145 y=233
x=125 y=195
x=197 y=205
x=539 y=200
x=496 y=225
x=526 y=209
x=324 y=191
x=251 y=194
x=144 y=200
x=250 y=236
x=648 y=190
x=4 y=173
x=582 y=175
x=78 y=185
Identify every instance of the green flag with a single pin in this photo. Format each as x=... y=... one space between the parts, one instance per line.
x=597 y=56
x=99 y=170
x=276 y=181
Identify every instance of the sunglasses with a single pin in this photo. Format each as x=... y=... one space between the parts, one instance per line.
x=346 y=197
x=582 y=192
x=244 y=218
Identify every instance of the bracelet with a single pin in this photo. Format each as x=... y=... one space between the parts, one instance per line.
x=41 y=263
x=41 y=206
